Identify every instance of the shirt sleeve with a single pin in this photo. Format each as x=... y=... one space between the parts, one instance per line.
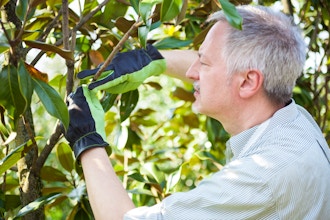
x=232 y=193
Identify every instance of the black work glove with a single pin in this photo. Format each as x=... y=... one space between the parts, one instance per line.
x=86 y=128
x=127 y=70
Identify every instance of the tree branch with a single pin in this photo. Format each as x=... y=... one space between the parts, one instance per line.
x=287 y=7
x=117 y=48
x=53 y=140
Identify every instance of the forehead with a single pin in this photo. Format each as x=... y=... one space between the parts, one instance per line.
x=215 y=38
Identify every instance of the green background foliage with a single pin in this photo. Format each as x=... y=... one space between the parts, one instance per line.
x=160 y=146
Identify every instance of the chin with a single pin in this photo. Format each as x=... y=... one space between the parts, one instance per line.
x=196 y=108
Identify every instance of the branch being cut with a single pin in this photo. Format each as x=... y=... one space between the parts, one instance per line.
x=117 y=48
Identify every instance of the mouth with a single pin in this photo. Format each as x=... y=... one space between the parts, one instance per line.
x=196 y=87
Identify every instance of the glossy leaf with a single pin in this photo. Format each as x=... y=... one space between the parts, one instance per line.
x=170 y=9
x=52 y=101
x=21 y=9
x=132 y=140
x=12 y=158
x=143 y=35
x=26 y=83
x=146 y=8
x=108 y=101
x=37 y=204
x=171 y=43
x=81 y=214
x=173 y=179
x=232 y=16
x=128 y=103
x=135 y=5
x=151 y=170
x=64 y=155
x=10 y=91
x=112 y=11
x=4 y=45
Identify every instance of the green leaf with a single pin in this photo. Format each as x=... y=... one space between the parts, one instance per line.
x=64 y=155
x=52 y=101
x=146 y=8
x=10 y=91
x=85 y=205
x=112 y=11
x=81 y=214
x=171 y=43
x=25 y=82
x=21 y=9
x=66 y=54
x=138 y=177
x=12 y=158
x=170 y=9
x=233 y=17
x=143 y=34
x=128 y=103
x=52 y=174
x=4 y=45
x=3 y=2
x=132 y=139
x=108 y=100
x=151 y=170
x=37 y=204
x=173 y=179
x=135 y=5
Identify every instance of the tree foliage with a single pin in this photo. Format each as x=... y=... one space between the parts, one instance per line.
x=159 y=145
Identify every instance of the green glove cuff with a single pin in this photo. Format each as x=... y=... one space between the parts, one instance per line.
x=132 y=81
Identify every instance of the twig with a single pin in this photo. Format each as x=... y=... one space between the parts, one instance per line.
x=49 y=147
x=66 y=43
x=117 y=48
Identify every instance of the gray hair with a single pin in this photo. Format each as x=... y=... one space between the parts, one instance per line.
x=269 y=42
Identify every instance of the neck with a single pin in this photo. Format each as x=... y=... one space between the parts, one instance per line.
x=251 y=114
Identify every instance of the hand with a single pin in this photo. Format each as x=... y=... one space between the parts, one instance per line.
x=127 y=70
x=86 y=127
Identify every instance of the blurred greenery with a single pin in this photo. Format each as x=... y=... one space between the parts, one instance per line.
x=160 y=146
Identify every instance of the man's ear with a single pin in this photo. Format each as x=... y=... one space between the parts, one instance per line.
x=250 y=83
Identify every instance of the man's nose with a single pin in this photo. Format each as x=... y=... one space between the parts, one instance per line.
x=192 y=72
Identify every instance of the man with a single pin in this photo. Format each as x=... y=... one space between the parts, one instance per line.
x=244 y=79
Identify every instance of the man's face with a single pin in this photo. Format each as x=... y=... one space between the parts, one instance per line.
x=213 y=90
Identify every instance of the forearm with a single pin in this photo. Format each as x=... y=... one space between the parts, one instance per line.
x=108 y=198
x=178 y=62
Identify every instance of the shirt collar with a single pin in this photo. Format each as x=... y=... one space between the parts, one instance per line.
x=237 y=142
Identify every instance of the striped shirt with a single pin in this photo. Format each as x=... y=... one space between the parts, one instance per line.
x=280 y=170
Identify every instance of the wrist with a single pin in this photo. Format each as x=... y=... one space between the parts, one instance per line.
x=88 y=141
